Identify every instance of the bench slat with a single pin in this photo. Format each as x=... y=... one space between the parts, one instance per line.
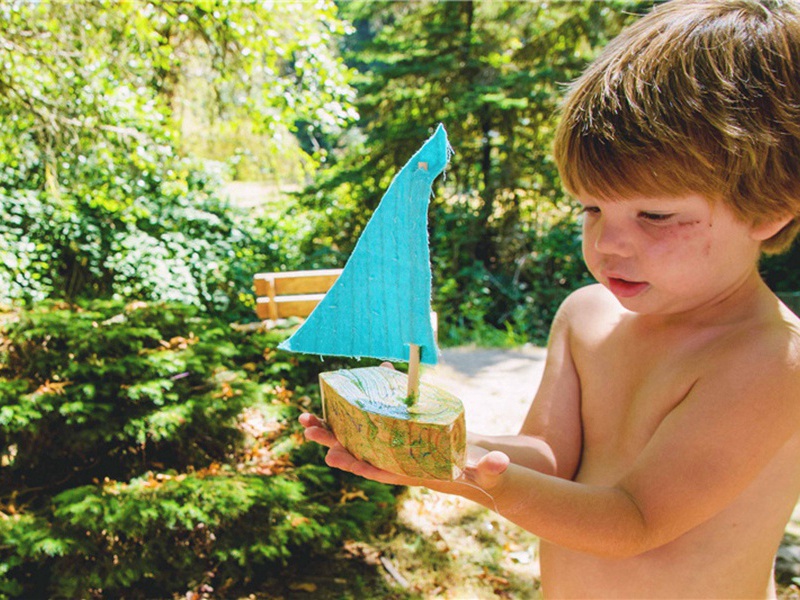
x=299 y=305
x=296 y=282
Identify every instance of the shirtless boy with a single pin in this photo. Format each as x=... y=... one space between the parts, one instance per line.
x=661 y=455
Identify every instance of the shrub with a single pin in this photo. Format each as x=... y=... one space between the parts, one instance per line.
x=513 y=298
x=154 y=231
x=147 y=450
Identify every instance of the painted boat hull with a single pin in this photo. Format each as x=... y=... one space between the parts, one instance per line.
x=366 y=410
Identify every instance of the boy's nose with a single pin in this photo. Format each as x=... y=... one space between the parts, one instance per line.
x=610 y=238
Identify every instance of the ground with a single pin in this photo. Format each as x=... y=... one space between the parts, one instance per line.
x=495 y=385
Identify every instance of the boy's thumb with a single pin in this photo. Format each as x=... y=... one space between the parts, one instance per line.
x=494 y=463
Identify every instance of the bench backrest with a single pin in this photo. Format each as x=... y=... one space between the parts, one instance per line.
x=291 y=293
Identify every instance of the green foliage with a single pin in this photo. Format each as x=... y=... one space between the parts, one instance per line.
x=176 y=240
x=113 y=71
x=147 y=451
x=505 y=241
x=513 y=304
x=99 y=203
x=103 y=388
x=492 y=72
x=781 y=272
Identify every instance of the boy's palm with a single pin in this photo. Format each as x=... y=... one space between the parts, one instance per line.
x=483 y=467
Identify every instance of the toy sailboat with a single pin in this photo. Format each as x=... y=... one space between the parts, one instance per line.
x=380 y=307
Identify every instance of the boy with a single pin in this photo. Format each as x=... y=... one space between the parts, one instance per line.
x=661 y=455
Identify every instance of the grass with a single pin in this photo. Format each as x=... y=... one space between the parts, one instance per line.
x=440 y=546
x=448 y=547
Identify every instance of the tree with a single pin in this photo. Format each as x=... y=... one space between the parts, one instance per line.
x=111 y=70
x=101 y=200
x=493 y=73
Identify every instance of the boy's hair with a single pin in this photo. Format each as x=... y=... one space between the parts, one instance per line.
x=698 y=96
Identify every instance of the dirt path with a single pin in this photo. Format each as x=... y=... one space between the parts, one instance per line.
x=495 y=385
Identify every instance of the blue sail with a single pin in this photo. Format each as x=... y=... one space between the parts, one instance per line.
x=381 y=302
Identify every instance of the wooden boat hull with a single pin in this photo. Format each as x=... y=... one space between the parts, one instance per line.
x=366 y=409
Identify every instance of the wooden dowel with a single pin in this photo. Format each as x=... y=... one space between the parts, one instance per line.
x=413 y=371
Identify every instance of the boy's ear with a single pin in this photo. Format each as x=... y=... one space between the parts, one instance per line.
x=764 y=231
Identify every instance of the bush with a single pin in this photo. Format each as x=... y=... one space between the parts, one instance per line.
x=147 y=450
x=159 y=231
x=780 y=271
x=513 y=299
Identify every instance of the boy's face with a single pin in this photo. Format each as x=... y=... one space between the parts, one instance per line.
x=667 y=255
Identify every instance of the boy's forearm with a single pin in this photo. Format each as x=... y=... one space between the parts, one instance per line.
x=524 y=450
x=600 y=520
x=604 y=521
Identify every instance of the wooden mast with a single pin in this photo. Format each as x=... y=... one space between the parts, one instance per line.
x=413 y=350
x=413 y=372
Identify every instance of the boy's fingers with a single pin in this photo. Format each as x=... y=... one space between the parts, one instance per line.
x=321 y=435
x=339 y=458
x=317 y=431
x=309 y=420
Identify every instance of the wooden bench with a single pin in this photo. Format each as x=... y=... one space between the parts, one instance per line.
x=291 y=293
x=296 y=293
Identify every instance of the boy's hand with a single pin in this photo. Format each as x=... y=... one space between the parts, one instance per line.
x=483 y=469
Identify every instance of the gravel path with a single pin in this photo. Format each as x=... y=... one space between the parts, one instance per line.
x=495 y=385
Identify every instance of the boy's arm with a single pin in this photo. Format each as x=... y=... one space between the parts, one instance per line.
x=550 y=438
x=705 y=452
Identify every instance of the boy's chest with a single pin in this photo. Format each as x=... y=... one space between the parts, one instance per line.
x=628 y=387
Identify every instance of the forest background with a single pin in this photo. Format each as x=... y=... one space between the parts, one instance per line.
x=146 y=430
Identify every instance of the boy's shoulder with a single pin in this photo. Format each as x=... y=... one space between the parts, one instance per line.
x=766 y=343
x=593 y=296
x=589 y=310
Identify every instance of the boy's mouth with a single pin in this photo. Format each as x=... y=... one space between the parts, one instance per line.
x=623 y=288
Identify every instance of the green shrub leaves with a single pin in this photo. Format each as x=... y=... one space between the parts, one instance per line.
x=147 y=449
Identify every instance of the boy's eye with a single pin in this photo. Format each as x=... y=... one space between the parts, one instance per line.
x=656 y=217
x=590 y=210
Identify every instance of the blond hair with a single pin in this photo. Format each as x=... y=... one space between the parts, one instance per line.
x=698 y=96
